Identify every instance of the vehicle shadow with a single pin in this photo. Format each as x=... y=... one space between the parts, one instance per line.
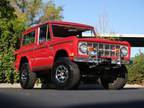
x=83 y=87
x=7 y=101
x=100 y=87
x=131 y=104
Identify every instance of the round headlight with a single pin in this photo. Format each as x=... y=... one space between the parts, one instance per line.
x=83 y=47
x=124 y=51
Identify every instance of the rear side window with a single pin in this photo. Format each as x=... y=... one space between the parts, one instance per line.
x=44 y=33
x=29 y=38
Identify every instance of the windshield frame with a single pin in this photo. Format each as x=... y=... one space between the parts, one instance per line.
x=72 y=27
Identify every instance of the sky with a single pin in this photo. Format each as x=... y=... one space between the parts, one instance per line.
x=123 y=16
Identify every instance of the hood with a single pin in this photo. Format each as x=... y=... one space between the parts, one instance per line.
x=100 y=40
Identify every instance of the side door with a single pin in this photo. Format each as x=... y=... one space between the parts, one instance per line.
x=43 y=51
x=28 y=45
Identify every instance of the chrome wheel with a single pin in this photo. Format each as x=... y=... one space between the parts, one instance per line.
x=65 y=74
x=24 y=76
x=61 y=74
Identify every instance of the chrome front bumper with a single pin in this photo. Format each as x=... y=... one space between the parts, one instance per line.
x=100 y=60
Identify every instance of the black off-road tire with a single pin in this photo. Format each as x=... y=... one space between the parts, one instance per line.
x=118 y=80
x=65 y=74
x=27 y=78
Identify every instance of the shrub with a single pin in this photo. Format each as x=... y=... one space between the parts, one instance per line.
x=136 y=70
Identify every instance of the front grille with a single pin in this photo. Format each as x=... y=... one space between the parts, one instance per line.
x=106 y=50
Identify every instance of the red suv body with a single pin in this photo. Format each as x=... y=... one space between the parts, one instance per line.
x=63 y=54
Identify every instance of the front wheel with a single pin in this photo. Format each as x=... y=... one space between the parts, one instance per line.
x=65 y=74
x=115 y=79
x=27 y=78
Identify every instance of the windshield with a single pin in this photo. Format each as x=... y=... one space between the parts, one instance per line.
x=66 y=31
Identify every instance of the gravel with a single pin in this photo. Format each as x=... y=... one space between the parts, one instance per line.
x=16 y=85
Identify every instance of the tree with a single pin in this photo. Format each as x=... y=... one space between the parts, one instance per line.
x=51 y=12
x=103 y=27
x=15 y=16
x=35 y=11
x=8 y=40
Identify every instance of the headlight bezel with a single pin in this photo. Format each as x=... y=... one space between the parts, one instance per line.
x=124 y=51
x=83 y=48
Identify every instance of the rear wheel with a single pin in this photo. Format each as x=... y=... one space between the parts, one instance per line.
x=116 y=79
x=65 y=74
x=27 y=78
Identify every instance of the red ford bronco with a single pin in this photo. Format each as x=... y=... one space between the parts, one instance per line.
x=63 y=54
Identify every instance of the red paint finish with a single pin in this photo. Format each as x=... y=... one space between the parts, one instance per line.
x=41 y=56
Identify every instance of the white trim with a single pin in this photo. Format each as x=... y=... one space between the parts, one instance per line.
x=38 y=35
x=123 y=35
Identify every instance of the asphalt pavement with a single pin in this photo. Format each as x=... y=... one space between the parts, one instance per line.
x=84 y=97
